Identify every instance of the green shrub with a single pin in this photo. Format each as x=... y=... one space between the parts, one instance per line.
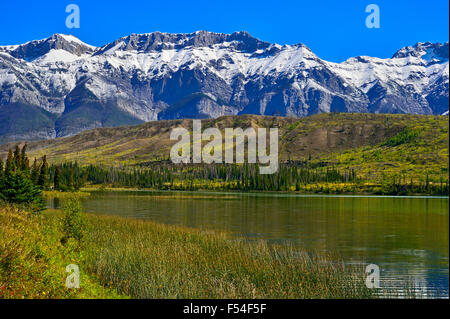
x=73 y=222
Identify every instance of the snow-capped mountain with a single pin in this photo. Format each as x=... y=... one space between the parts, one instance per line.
x=60 y=86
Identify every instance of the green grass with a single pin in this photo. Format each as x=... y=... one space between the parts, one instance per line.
x=58 y=194
x=147 y=260
x=33 y=260
x=141 y=259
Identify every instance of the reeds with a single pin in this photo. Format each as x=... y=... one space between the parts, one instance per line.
x=148 y=260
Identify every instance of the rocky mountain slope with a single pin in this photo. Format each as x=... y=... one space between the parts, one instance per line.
x=61 y=86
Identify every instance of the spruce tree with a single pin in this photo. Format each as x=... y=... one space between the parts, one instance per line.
x=43 y=175
x=71 y=182
x=56 y=179
x=17 y=158
x=35 y=169
x=9 y=168
x=18 y=189
x=1 y=169
x=24 y=164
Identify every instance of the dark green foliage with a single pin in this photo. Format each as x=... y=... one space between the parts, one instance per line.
x=71 y=176
x=293 y=176
x=73 y=223
x=406 y=136
x=24 y=164
x=399 y=185
x=235 y=177
x=43 y=174
x=9 y=168
x=35 y=169
x=16 y=186
x=17 y=157
x=56 y=184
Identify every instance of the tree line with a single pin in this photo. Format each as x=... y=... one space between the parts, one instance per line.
x=244 y=177
x=21 y=182
x=294 y=176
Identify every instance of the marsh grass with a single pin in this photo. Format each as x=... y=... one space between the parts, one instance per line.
x=64 y=195
x=143 y=259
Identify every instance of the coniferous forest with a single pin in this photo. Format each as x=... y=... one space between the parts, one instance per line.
x=291 y=177
x=22 y=182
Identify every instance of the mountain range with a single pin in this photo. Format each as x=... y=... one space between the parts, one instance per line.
x=61 y=86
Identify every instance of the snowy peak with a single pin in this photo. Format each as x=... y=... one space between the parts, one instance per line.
x=152 y=76
x=38 y=48
x=430 y=52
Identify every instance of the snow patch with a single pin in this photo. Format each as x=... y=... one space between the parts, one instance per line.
x=54 y=56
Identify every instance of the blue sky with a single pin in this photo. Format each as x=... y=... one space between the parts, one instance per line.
x=334 y=30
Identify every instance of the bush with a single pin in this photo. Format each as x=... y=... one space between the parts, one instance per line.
x=16 y=188
x=73 y=222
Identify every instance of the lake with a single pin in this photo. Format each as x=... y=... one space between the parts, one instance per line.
x=407 y=237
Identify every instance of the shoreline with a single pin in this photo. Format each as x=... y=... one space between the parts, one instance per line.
x=253 y=193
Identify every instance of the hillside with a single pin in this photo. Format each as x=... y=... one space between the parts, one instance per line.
x=373 y=144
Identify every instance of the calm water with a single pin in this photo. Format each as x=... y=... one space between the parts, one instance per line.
x=408 y=238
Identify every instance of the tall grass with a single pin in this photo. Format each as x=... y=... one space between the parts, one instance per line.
x=33 y=259
x=147 y=260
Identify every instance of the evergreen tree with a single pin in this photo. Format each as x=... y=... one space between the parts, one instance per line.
x=9 y=168
x=17 y=158
x=43 y=175
x=70 y=180
x=35 y=169
x=1 y=169
x=24 y=164
x=18 y=189
x=56 y=185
